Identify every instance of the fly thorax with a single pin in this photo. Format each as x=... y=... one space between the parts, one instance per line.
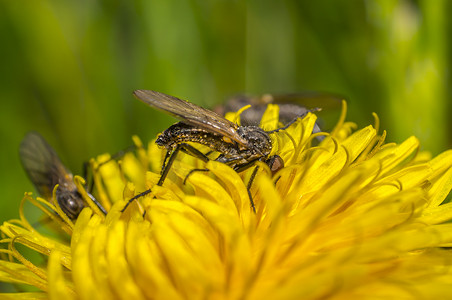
x=258 y=140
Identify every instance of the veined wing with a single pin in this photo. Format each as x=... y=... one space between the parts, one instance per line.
x=42 y=164
x=191 y=114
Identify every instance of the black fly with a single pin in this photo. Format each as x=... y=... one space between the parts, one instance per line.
x=45 y=170
x=239 y=146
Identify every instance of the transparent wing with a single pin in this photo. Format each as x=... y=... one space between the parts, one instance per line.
x=41 y=163
x=191 y=114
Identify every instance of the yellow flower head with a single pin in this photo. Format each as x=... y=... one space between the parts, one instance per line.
x=349 y=217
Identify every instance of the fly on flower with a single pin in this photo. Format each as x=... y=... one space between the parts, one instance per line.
x=239 y=146
x=291 y=106
x=45 y=170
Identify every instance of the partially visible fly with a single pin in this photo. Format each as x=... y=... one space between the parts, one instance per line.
x=291 y=106
x=239 y=146
x=45 y=170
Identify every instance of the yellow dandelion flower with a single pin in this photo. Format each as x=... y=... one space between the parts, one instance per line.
x=347 y=218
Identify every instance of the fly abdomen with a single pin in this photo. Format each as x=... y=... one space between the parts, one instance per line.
x=182 y=133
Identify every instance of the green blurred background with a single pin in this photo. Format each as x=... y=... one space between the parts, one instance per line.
x=68 y=68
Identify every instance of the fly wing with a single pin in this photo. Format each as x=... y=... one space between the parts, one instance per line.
x=191 y=114
x=41 y=163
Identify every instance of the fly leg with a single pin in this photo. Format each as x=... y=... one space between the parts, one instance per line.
x=135 y=198
x=205 y=159
x=86 y=166
x=196 y=153
x=248 y=187
x=186 y=148
x=102 y=209
x=243 y=167
x=89 y=187
x=167 y=163
x=193 y=171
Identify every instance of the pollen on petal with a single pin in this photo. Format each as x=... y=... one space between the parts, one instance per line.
x=349 y=216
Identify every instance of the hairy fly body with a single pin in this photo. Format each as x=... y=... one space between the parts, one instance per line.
x=238 y=146
x=232 y=153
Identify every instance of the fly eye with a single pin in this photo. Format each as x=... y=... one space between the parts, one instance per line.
x=275 y=163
